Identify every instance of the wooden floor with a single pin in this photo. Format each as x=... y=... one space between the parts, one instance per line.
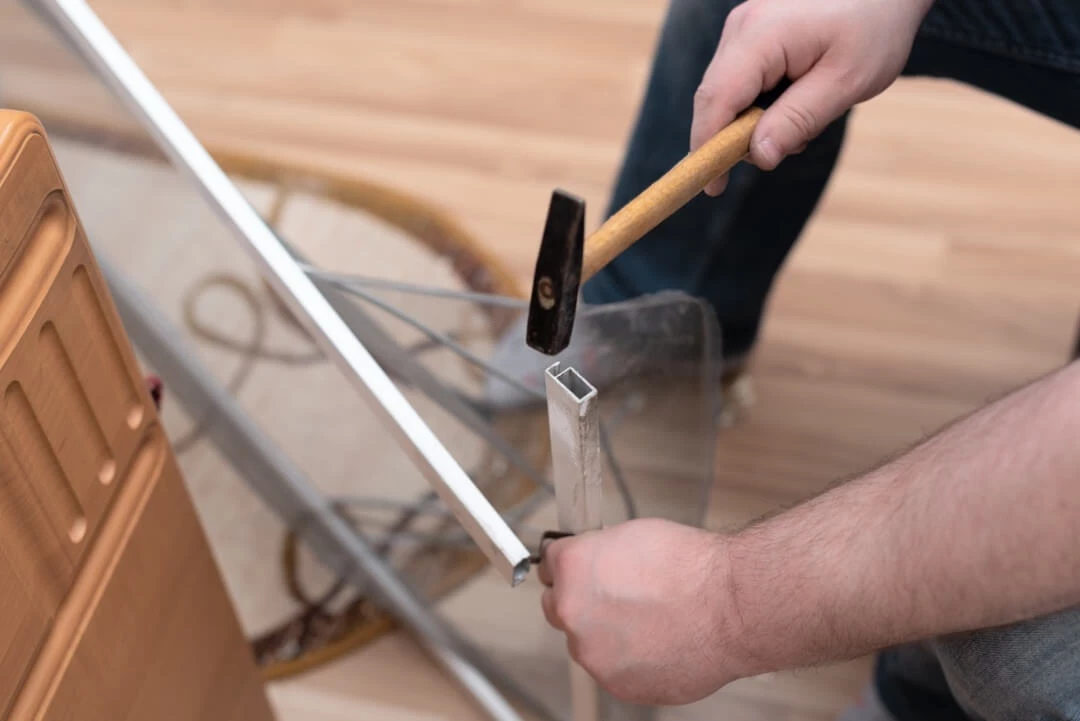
x=940 y=271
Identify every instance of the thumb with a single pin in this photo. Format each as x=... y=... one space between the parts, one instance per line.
x=797 y=117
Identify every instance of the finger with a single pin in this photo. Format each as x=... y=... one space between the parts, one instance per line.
x=727 y=87
x=718 y=185
x=797 y=117
x=737 y=75
x=543 y=571
x=547 y=602
x=549 y=554
x=573 y=649
x=732 y=82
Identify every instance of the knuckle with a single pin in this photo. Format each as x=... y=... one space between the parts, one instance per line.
x=556 y=564
x=741 y=14
x=572 y=560
x=565 y=610
x=850 y=82
x=803 y=119
x=704 y=98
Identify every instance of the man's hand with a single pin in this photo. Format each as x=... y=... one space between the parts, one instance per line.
x=838 y=53
x=976 y=527
x=645 y=609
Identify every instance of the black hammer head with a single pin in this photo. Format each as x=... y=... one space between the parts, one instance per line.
x=558 y=275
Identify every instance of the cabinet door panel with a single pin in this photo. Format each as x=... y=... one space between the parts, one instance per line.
x=161 y=640
x=111 y=604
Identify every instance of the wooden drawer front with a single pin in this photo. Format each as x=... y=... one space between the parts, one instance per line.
x=23 y=624
x=72 y=408
x=70 y=412
x=111 y=605
x=149 y=631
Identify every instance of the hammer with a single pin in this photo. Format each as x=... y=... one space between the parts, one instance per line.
x=566 y=260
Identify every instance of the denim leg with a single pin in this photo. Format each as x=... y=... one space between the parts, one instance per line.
x=1028 y=670
x=911 y=683
x=728 y=249
x=1027 y=51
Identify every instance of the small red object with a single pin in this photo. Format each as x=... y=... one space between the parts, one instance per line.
x=156 y=388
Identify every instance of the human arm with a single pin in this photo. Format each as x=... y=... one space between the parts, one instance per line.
x=978 y=526
x=837 y=53
x=975 y=527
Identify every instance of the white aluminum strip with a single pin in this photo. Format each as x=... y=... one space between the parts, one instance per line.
x=577 y=473
x=475 y=513
x=283 y=488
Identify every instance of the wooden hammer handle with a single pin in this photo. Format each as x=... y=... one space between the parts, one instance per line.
x=671 y=192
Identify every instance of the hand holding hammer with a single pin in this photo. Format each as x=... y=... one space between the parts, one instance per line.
x=566 y=260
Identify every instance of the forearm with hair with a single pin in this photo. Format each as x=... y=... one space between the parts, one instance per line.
x=977 y=526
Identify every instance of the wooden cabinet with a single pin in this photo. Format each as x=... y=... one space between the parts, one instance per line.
x=111 y=605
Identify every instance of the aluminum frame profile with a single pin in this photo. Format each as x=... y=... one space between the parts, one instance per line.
x=577 y=473
x=119 y=72
x=576 y=462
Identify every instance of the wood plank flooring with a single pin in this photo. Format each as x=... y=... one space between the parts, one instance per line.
x=941 y=269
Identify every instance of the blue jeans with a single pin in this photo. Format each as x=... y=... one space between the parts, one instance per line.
x=728 y=250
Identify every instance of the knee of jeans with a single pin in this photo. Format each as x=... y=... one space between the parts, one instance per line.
x=1028 y=670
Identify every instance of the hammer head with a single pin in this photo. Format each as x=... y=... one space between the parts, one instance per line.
x=558 y=275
